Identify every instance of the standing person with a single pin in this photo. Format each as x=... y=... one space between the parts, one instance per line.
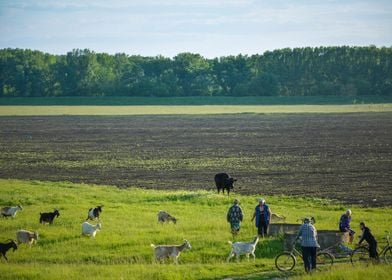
x=344 y=225
x=309 y=244
x=263 y=215
x=234 y=217
x=369 y=238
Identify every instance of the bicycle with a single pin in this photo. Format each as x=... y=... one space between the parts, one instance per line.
x=287 y=260
x=360 y=254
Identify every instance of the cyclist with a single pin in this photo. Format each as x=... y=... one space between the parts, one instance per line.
x=369 y=238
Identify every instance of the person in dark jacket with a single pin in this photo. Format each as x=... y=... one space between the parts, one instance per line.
x=234 y=217
x=263 y=216
x=369 y=238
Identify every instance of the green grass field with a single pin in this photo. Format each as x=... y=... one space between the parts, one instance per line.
x=122 y=249
x=190 y=110
x=197 y=100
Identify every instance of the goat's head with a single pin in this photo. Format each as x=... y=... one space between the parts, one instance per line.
x=13 y=244
x=56 y=212
x=20 y=207
x=99 y=208
x=187 y=245
x=174 y=220
x=99 y=226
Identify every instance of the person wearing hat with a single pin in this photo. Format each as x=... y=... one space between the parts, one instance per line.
x=344 y=225
x=308 y=234
x=234 y=217
x=262 y=214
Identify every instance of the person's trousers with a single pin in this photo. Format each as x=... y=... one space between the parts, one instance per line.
x=262 y=228
x=373 y=250
x=309 y=257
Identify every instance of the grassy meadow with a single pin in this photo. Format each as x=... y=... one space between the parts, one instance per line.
x=129 y=225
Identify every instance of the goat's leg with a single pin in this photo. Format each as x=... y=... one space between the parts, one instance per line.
x=3 y=254
x=254 y=256
x=230 y=256
x=247 y=256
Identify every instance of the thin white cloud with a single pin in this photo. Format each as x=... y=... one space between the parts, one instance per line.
x=210 y=27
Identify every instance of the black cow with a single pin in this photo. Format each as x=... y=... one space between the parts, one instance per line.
x=224 y=182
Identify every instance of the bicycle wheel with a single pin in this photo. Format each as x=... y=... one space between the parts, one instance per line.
x=360 y=256
x=285 y=261
x=388 y=255
x=324 y=260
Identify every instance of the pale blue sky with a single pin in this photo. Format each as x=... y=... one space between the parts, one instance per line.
x=212 y=28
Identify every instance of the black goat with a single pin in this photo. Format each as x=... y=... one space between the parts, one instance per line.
x=48 y=217
x=4 y=247
x=94 y=212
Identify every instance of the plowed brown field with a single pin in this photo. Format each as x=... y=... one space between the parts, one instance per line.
x=339 y=156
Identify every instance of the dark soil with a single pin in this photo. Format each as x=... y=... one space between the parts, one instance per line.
x=340 y=156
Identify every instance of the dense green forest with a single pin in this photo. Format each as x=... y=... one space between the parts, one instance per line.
x=325 y=71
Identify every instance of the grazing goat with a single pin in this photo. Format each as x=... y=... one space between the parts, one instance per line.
x=312 y=220
x=48 y=217
x=167 y=251
x=25 y=236
x=10 y=211
x=94 y=213
x=89 y=229
x=4 y=247
x=277 y=218
x=243 y=248
x=165 y=217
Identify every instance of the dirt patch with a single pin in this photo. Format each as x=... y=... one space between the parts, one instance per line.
x=340 y=156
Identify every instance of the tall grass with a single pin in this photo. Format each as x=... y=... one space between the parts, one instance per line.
x=129 y=225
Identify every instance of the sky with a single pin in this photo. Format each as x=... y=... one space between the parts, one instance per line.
x=212 y=28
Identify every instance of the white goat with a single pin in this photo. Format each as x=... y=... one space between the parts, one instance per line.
x=167 y=251
x=243 y=248
x=25 y=236
x=165 y=217
x=89 y=229
x=277 y=218
x=10 y=211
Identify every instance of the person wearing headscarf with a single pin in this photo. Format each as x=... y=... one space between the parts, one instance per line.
x=234 y=217
x=344 y=225
x=262 y=214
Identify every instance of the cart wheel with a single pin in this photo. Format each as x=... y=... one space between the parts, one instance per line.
x=324 y=261
x=360 y=256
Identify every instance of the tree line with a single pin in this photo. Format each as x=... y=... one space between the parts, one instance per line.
x=335 y=71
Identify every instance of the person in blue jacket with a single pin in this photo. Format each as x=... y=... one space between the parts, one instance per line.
x=263 y=215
